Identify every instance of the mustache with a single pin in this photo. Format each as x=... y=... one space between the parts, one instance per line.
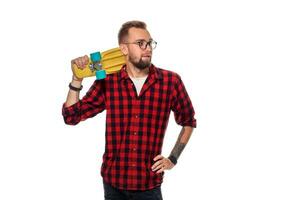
x=147 y=55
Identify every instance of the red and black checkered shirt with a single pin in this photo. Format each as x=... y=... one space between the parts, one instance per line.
x=135 y=124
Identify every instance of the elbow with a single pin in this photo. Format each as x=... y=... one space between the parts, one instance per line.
x=71 y=121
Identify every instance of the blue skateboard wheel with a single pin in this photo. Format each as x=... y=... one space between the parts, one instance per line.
x=100 y=74
x=96 y=57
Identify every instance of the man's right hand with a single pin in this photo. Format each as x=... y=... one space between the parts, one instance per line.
x=81 y=63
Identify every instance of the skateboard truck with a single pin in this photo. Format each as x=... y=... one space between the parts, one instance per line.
x=97 y=66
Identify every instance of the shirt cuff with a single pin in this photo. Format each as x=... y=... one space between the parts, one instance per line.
x=71 y=110
x=192 y=123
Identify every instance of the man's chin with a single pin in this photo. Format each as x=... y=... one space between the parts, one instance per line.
x=142 y=67
x=143 y=63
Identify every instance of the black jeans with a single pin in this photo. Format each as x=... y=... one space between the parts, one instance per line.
x=112 y=193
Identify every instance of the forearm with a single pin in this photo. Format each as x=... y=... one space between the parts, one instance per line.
x=181 y=142
x=73 y=96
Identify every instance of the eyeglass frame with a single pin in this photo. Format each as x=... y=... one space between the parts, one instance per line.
x=140 y=44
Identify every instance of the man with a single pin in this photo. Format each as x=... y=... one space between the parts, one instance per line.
x=138 y=100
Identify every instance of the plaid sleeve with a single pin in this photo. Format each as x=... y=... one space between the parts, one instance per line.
x=89 y=106
x=181 y=105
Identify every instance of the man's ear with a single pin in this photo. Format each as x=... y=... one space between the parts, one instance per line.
x=124 y=49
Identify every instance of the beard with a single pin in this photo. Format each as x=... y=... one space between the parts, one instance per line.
x=140 y=64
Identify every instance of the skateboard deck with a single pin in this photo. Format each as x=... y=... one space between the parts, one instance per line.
x=100 y=64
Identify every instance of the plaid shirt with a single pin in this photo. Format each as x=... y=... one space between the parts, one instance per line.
x=135 y=125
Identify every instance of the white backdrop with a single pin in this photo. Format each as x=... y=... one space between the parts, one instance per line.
x=239 y=61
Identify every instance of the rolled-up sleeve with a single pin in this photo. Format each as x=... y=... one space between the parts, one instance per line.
x=181 y=105
x=89 y=106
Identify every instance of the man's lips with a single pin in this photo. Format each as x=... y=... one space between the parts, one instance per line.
x=147 y=56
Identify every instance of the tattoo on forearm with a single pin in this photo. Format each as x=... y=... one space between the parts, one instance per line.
x=178 y=149
x=179 y=146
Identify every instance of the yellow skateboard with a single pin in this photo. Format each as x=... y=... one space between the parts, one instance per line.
x=100 y=64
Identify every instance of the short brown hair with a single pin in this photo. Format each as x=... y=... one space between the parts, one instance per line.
x=123 y=32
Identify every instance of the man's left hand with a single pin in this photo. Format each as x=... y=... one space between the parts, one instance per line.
x=161 y=164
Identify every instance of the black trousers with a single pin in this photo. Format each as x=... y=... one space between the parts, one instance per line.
x=112 y=193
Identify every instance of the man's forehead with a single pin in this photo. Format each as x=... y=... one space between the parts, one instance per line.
x=138 y=34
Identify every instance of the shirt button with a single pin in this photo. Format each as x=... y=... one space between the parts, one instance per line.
x=134 y=133
x=134 y=149
x=136 y=116
x=133 y=165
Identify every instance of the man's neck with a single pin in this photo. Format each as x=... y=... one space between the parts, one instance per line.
x=136 y=72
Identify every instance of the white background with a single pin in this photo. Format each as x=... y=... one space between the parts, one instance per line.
x=239 y=61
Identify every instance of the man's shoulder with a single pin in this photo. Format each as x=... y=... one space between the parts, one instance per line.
x=108 y=80
x=168 y=74
x=112 y=77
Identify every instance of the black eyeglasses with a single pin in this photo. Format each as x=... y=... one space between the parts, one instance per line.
x=143 y=44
